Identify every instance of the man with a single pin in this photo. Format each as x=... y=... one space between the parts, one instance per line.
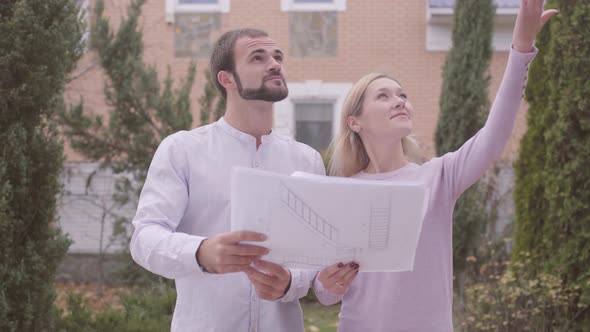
x=183 y=218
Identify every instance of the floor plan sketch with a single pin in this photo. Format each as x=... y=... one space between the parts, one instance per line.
x=313 y=221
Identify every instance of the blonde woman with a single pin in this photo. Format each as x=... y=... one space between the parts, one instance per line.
x=374 y=144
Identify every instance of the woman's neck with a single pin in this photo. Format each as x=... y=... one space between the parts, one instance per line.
x=385 y=157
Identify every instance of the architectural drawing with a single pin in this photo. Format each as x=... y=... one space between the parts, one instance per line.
x=311 y=224
x=378 y=230
x=307 y=216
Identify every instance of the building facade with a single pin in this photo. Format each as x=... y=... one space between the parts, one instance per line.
x=329 y=44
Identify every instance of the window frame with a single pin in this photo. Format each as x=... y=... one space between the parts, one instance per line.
x=173 y=7
x=291 y=6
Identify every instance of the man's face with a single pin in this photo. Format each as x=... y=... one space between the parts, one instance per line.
x=259 y=72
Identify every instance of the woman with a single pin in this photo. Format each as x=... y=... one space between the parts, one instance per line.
x=373 y=144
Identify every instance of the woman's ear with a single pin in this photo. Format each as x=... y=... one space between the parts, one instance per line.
x=353 y=124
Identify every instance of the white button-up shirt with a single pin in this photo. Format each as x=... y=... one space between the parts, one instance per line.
x=185 y=199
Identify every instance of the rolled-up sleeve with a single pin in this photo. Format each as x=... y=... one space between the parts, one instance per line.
x=155 y=244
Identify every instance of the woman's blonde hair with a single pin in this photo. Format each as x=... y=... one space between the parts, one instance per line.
x=348 y=152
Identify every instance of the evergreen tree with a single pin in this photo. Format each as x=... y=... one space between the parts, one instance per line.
x=529 y=197
x=141 y=111
x=553 y=187
x=40 y=42
x=211 y=102
x=463 y=109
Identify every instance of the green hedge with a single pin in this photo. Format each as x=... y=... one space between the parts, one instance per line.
x=552 y=186
x=144 y=310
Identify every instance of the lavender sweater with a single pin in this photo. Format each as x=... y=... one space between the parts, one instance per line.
x=421 y=300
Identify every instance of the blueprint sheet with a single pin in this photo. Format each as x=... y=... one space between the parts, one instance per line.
x=314 y=221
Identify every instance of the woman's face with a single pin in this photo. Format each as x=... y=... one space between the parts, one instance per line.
x=386 y=111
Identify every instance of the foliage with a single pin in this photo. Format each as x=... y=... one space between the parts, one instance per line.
x=511 y=299
x=463 y=108
x=212 y=104
x=141 y=112
x=143 y=310
x=40 y=42
x=552 y=188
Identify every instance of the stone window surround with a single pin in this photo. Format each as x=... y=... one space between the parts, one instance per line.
x=439 y=27
x=291 y=6
x=311 y=91
x=173 y=7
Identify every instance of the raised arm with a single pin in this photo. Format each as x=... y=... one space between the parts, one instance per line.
x=465 y=166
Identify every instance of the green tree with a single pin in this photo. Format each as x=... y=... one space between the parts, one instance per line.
x=141 y=111
x=553 y=188
x=463 y=108
x=40 y=42
x=530 y=201
x=212 y=104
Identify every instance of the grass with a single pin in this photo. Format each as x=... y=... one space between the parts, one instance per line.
x=319 y=318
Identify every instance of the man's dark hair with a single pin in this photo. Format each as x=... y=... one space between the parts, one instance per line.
x=222 y=57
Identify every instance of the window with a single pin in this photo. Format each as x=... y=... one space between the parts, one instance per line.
x=310 y=111
x=312 y=5
x=313 y=124
x=195 y=6
x=313 y=34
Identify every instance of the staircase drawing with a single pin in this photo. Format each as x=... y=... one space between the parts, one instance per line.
x=308 y=216
x=379 y=227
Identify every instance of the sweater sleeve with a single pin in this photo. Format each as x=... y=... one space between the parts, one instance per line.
x=323 y=295
x=464 y=167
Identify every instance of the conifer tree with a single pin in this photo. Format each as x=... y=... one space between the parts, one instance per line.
x=40 y=42
x=464 y=107
x=553 y=187
x=141 y=111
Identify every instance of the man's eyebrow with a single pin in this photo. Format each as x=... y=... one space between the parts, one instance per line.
x=258 y=50
x=262 y=50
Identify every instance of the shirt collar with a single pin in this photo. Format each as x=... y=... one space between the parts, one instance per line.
x=242 y=136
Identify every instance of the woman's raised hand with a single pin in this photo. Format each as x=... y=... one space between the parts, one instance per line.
x=530 y=20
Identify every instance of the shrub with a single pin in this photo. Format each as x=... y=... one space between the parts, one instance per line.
x=505 y=302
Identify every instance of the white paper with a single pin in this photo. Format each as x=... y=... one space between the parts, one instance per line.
x=314 y=221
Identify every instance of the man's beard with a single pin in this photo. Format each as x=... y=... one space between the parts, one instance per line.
x=263 y=92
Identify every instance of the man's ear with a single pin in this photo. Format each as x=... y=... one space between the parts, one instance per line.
x=226 y=79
